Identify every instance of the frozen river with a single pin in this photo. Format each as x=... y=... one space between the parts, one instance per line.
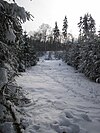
x=62 y=100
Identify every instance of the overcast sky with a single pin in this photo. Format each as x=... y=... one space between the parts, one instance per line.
x=49 y=11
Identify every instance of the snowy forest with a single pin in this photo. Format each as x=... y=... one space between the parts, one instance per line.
x=23 y=58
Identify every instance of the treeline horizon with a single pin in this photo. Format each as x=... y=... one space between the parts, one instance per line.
x=54 y=39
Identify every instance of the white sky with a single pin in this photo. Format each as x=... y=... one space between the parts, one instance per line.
x=49 y=11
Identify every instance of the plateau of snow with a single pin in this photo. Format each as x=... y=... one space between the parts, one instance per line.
x=62 y=99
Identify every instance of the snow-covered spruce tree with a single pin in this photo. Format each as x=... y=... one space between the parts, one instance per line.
x=85 y=55
x=64 y=29
x=28 y=54
x=73 y=55
x=80 y=26
x=87 y=45
x=11 y=18
x=89 y=49
x=87 y=28
x=56 y=33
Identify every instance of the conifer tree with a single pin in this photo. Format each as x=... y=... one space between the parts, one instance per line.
x=64 y=29
x=80 y=24
x=92 y=27
x=87 y=27
x=56 y=33
x=11 y=16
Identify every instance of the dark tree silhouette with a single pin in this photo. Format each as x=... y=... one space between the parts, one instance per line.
x=56 y=33
x=64 y=29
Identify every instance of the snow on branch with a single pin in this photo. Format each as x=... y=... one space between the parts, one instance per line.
x=20 y=12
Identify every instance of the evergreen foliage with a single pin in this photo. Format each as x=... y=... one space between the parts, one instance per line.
x=64 y=29
x=11 y=36
x=85 y=55
x=56 y=33
x=12 y=60
x=86 y=27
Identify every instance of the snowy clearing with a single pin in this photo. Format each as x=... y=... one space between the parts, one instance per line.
x=62 y=100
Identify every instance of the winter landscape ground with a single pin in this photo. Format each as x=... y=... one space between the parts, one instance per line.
x=46 y=95
x=62 y=99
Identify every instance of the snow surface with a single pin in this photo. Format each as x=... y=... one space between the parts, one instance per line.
x=62 y=100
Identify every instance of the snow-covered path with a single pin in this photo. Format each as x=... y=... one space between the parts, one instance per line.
x=62 y=100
